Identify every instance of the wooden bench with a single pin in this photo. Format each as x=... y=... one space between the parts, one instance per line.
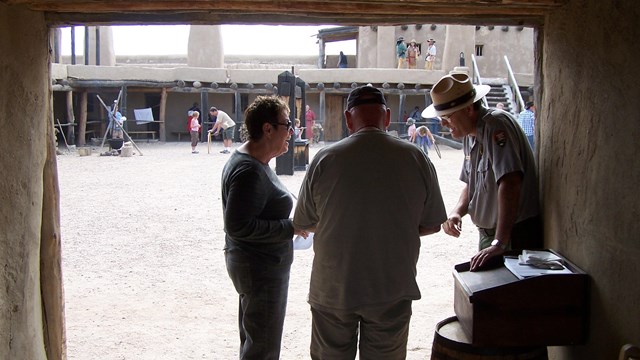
x=144 y=132
x=180 y=133
x=88 y=134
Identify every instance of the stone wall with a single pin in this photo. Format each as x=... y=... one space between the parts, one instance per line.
x=589 y=167
x=24 y=118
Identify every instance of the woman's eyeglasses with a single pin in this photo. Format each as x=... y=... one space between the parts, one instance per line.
x=288 y=124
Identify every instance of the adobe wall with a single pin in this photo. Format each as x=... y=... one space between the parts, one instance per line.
x=24 y=103
x=515 y=42
x=458 y=39
x=589 y=163
x=107 y=52
x=205 y=47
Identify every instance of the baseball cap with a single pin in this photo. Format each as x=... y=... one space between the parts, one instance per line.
x=365 y=95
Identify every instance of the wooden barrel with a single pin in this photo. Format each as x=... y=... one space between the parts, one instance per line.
x=451 y=343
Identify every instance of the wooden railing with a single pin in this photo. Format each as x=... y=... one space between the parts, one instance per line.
x=514 y=85
x=476 y=78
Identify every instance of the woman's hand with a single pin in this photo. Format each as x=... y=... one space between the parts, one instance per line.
x=453 y=225
x=303 y=233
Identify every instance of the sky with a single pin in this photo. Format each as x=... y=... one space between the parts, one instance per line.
x=237 y=40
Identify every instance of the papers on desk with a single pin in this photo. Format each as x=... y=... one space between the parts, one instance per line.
x=533 y=256
x=534 y=263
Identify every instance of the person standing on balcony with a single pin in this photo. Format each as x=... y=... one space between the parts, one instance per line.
x=401 y=52
x=431 y=55
x=413 y=52
x=342 y=61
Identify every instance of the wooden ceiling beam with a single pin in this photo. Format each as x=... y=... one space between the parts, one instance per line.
x=354 y=7
x=56 y=19
x=68 y=19
x=290 y=12
x=142 y=5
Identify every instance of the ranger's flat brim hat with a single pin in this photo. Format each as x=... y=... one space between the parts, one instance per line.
x=452 y=93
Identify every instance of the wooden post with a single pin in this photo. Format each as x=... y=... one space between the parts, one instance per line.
x=163 y=106
x=71 y=137
x=51 y=258
x=321 y=107
x=82 y=122
x=103 y=124
x=98 y=45
x=400 y=120
x=73 y=45
x=122 y=105
x=86 y=45
x=204 y=103
x=238 y=110
x=321 y=53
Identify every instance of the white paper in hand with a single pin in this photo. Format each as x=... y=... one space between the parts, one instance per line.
x=300 y=243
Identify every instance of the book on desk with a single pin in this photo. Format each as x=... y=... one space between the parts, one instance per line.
x=495 y=307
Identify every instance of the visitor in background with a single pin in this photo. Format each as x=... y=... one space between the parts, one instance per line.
x=401 y=52
x=225 y=124
x=413 y=53
x=194 y=131
x=430 y=59
x=310 y=121
x=424 y=139
x=527 y=121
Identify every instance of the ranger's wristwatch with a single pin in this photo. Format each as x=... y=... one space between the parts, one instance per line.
x=499 y=244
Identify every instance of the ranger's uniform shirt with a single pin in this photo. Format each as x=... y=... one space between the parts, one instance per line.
x=499 y=148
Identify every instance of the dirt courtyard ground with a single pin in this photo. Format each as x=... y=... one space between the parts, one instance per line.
x=143 y=266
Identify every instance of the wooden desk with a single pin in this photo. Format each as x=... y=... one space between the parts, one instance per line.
x=495 y=308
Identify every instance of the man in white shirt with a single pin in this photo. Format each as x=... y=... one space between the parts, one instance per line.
x=224 y=122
